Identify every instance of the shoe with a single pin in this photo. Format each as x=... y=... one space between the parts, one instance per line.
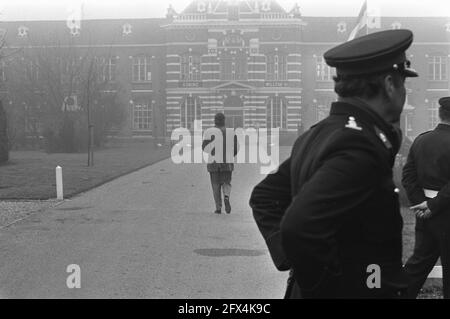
x=226 y=200
x=217 y=211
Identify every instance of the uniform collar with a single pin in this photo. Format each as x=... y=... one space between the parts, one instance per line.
x=360 y=111
x=443 y=127
x=363 y=114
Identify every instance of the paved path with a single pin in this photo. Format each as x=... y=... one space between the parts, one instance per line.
x=150 y=234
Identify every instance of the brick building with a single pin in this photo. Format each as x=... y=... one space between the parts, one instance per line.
x=258 y=63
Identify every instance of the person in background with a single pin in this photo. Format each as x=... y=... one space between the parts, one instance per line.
x=221 y=173
x=426 y=178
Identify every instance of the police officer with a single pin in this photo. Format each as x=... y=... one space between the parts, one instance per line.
x=426 y=178
x=331 y=212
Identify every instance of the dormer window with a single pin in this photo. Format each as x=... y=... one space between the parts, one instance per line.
x=233 y=13
x=201 y=6
x=75 y=31
x=396 y=25
x=342 y=27
x=22 y=31
x=126 y=29
x=265 y=6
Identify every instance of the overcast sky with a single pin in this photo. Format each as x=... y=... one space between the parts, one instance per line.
x=104 y=9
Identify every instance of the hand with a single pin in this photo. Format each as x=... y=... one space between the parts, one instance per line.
x=421 y=210
x=423 y=214
x=419 y=207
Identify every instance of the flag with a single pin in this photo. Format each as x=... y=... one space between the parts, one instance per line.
x=73 y=20
x=362 y=21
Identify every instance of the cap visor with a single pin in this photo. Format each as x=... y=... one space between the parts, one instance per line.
x=410 y=73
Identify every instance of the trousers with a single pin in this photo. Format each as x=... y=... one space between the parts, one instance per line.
x=220 y=182
x=431 y=242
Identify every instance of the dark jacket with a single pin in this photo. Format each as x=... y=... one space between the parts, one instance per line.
x=225 y=165
x=342 y=213
x=428 y=166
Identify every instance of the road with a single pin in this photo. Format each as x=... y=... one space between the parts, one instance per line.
x=149 y=234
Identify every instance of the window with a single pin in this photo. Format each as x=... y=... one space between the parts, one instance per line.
x=32 y=69
x=323 y=71
x=70 y=71
x=276 y=113
x=276 y=67
x=322 y=112
x=233 y=66
x=190 y=67
x=141 y=69
x=323 y=108
x=142 y=115
x=437 y=68
x=433 y=115
x=107 y=69
x=2 y=71
x=32 y=124
x=190 y=110
x=233 y=12
x=408 y=119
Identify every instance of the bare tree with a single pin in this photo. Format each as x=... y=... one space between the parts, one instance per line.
x=60 y=85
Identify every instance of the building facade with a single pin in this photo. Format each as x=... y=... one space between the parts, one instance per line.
x=260 y=65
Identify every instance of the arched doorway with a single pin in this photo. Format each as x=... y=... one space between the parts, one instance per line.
x=234 y=111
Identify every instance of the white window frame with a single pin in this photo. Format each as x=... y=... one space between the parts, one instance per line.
x=324 y=72
x=190 y=67
x=32 y=70
x=277 y=113
x=433 y=114
x=190 y=110
x=279 y=72
x=437 y=68
x=142 y=116
x=234 y=74
x=143 y=65
x=2 y=71
x=108 y=69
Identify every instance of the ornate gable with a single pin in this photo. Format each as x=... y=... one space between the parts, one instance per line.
x=233 y=85
x=242 y=9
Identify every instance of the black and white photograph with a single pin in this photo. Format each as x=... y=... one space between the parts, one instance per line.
x=237 y=152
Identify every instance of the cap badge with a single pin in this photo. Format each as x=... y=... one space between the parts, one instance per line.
x=352 y=124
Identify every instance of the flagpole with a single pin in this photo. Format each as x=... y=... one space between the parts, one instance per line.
x=367 y=19
x=361 y=23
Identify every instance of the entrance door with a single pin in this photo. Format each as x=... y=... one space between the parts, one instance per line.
x=234 y=118
x=234 y=112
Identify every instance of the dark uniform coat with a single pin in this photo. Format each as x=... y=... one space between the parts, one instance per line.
x=428 y=166
x=332 y=209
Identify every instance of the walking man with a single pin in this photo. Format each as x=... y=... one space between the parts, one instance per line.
x=221 y=171
x=426 y=178
x=331 y=212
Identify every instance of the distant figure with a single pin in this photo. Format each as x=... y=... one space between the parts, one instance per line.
x=221 y=172
x=426 y=178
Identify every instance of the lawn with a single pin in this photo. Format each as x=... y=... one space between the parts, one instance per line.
x=31 y=174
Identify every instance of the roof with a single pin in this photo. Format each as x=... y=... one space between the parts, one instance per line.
x=326 y=30
x=121 y=31
x=338 y=29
